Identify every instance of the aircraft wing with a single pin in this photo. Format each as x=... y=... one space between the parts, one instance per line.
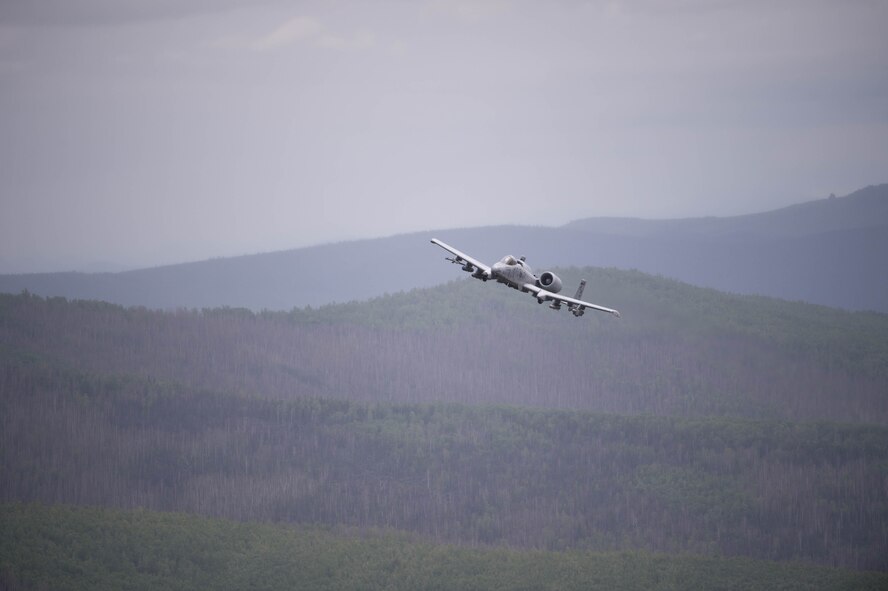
x=543 y=295
x=463 y=259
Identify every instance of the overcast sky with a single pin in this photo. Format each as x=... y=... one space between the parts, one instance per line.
x=142 y=132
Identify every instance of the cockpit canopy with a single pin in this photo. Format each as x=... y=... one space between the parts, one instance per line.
x=511 y=261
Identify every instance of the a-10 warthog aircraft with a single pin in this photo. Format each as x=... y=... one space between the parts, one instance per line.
x=518 y=275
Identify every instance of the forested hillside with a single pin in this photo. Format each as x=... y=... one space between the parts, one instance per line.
x=678 y=350
x=477 y=475
x=685 y=427
x=145 y=550
x=829 y=251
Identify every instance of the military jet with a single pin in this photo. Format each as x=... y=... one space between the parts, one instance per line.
x=516 y=274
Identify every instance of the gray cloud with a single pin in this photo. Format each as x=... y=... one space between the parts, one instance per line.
x=111 y=12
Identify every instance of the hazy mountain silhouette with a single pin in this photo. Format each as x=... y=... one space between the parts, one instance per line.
x=829 y=251
x=862 y=209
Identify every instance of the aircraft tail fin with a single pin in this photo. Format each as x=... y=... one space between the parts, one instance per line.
x=580 y=290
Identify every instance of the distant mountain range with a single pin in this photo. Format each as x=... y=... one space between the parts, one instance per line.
x=830 y=251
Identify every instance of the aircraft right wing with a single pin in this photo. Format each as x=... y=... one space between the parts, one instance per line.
x=474 y=266
x=574 y=305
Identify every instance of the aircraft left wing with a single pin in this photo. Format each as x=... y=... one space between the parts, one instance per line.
x=574 y=305
x=474 y=266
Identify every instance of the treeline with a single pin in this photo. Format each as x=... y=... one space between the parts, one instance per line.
x=537 y=479
x=678 y=351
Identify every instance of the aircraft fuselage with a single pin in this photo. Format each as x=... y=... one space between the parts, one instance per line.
x=513 y=272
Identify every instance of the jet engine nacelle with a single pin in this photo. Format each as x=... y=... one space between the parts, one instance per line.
x=550 y=282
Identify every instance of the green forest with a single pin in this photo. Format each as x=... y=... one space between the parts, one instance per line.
x=458 y=437
x=93 y=549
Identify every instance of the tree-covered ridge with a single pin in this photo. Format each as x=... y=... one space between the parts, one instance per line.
x=650 y=305
x=678 y=350
x=701 y=422
x=544 y=479
x=84 y=548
